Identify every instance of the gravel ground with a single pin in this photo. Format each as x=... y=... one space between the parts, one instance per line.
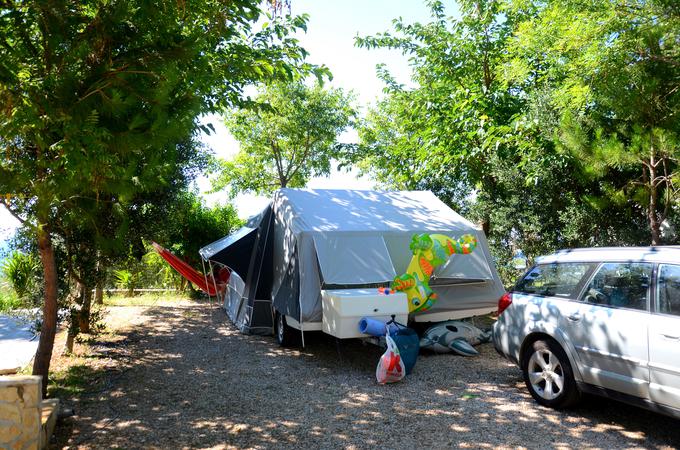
x=182 y=376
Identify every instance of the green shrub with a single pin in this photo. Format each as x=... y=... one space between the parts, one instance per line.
x=8 y=299
x=156 y=272
x=22 y=271
x=126 y=279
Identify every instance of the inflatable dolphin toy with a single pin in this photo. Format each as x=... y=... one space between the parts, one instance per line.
x=454 y=336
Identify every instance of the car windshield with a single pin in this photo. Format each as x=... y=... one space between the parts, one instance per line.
x=556 y=279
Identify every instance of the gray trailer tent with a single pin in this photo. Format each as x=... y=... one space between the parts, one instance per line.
x=307 y=241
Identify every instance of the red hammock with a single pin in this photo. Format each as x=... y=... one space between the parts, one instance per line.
x=193 y=275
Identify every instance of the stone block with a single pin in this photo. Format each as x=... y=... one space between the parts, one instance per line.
x=9 y=433
x=9 y=394
x=10 y=412
x=30 y=420
x=19 y=380
x=32 y=395
x=26 y=443
x=50 y=410
x=26 y=387
x=31 y=445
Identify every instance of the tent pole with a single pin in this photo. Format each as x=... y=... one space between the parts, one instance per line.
x=302 y=332
x=217 y=293
x=205 y=275
x=302 y=328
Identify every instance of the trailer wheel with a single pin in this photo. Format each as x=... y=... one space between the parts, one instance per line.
x=286 y=335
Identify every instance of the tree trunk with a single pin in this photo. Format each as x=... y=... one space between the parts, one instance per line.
x=654 y=224
x=41 y=364
x=655 y=227
x=486 y=226
x=190 y=288
x=84 y=314
x=98 y=281
x=68 y=350
x=99 y=295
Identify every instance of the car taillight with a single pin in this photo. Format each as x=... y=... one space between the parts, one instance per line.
x=504 y=302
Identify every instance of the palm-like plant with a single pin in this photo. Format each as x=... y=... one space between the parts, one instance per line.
x=21 y=271
x=126 y=279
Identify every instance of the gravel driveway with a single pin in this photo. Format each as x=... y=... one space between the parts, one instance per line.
x=182 y=376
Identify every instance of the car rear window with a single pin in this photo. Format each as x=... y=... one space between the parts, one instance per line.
x=556 y=279
x=668 y=290
x=620 y=285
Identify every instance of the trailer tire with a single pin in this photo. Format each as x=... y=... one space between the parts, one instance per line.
x=286 y=335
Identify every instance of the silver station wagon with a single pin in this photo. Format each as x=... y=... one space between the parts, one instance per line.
x=604 y=321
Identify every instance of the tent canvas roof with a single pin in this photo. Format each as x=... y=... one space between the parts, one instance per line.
x=339 y=218
x=324 y=210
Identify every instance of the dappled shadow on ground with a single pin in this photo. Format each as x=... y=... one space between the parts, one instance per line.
x=185 y=377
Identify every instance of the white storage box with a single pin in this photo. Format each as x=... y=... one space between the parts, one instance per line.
x=344 y=308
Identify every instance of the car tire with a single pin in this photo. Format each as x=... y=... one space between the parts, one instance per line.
x=548 y=375
x=286 y=335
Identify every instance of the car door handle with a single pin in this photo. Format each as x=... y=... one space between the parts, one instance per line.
x=670 y=337
x=574 y=317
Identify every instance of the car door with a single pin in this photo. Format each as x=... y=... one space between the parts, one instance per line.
x=547 y=289
x=664 y=338
x=609 y=328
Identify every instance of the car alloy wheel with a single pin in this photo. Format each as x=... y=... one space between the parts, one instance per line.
x=548 y=374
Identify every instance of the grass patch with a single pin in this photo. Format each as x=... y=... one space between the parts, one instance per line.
x=72 y=381
x=145 y=299
x=26 y=370
x=8 y=299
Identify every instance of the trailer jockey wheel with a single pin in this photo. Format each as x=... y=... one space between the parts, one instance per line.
x=286 y=335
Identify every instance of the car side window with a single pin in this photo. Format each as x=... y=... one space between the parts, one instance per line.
x=668 y=289
x=622 y=285
x=556 y=279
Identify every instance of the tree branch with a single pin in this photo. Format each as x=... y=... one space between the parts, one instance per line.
x=277 y=160
x=667 y=202
x=5 y=203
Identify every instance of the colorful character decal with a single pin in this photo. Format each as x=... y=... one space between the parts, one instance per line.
x=429 y=252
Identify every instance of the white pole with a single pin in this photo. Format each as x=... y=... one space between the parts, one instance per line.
x=205 y=275
x=217 y=294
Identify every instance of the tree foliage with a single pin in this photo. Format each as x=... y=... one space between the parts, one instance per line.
x=191 y=225
x=188 y=225
x=442 y=133
x=611 y=73
x=483 y=124
x=100 y=103
x=287 y=137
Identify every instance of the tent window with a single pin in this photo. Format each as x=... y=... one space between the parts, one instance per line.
x=459 y=267
x=353 y=260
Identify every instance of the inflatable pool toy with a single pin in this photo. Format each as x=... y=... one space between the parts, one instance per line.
x=454 y=336
x=429 y=252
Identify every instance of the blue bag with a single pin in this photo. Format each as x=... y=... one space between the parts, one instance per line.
x=408 y=343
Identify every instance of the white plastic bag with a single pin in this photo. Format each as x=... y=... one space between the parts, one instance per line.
x=390 y=367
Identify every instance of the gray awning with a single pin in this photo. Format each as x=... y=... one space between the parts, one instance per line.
x=233 y=251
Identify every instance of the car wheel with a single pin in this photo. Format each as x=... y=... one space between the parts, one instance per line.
x=286 y=335
x=548 y=375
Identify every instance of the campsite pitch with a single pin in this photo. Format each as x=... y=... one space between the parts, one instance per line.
x=179 y=375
